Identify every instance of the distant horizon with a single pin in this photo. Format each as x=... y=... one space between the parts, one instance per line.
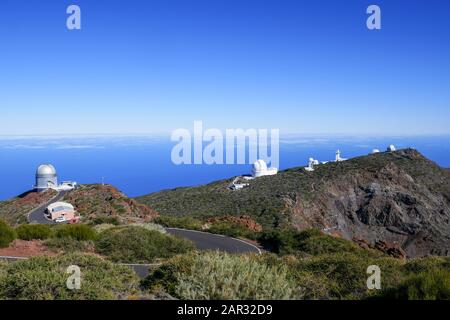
x=129 y=163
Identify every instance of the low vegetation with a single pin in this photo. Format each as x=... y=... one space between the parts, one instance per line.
x=34 y=231
x=232 y=230
x=79 y=232
x=44 y=278
x=133 y=244
x=215 y=275
x=7 y=234
x=69 y=245
x=186 y=222
x=427 y=285
x=312 y=242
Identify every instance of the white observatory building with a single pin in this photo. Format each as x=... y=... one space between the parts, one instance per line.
x=46 y=177
x=260 y=169
x=391 y=148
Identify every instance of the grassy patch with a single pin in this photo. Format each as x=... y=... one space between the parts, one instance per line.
x=34 y=231
x=132 y=244
x=214 y=275
x=80 y=232
x=7 y=234
x=44 y=278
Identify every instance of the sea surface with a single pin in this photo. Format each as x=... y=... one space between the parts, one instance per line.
x=139 y=165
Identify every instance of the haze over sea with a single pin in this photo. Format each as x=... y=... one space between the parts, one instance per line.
x=139 y=165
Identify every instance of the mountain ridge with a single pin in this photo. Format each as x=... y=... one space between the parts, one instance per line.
x=401 y=198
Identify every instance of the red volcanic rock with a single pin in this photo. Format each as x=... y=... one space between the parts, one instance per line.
x=389 y=248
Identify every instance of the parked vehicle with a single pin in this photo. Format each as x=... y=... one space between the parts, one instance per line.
x=60 y=219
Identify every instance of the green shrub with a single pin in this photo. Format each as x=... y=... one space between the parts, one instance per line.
x=67 y=245
x=44 y=278
x=80 y=232
x=106 y=220
x=99 y=228
x=7 y=234
x=186 y=222
x=150 y=226
x=343 y=275
x=232 y=230
x=311 y=241
x=34 y=231
x=418 y=265
x=428 y=285
x=214 y=275
x=131 y=244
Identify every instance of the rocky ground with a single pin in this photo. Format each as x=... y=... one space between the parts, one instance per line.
x=22 y=248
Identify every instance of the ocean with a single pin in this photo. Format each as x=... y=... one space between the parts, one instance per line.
x=139 y=165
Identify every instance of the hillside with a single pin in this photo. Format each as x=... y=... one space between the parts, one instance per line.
x=15 y=210
x=400 y=198
x=104 y=201
x=90 y=201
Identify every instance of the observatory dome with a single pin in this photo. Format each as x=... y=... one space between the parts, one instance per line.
x=259 y=166
x=46 y=177
x=391 y=148
x=45 y=170
x=260 y=169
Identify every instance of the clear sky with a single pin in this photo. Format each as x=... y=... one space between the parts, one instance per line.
x=157 y=65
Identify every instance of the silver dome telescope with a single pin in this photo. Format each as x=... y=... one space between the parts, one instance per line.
x=46 y=177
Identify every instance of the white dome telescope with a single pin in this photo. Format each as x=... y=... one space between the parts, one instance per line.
x=46 y=177
x=260 y=169
x=46 y=169
x=259 y=165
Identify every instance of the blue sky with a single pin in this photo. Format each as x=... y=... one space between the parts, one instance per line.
x=154 y=66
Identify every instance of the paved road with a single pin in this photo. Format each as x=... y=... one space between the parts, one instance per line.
x=209 y=241
x=202 y=240
x=38 y=214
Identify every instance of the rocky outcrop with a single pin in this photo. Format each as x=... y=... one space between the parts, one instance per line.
x=391 y=249
x=399 y=198
x=400 y=205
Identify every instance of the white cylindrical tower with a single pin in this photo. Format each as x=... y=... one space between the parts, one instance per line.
x=46 y=177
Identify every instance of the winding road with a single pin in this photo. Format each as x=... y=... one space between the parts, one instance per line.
x=202 y=240
x=210 y=241
x=38 y=214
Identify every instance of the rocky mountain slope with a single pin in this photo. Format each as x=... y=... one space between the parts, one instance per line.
x=90 y=201
x=398 y=198
x=15 y=210
x=104 y=201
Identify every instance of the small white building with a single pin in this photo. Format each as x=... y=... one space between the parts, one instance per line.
x=311 y=163
x=391 y=148
x=61 y=210
x=338 y=156
x=260 y=169
x=375 y=151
